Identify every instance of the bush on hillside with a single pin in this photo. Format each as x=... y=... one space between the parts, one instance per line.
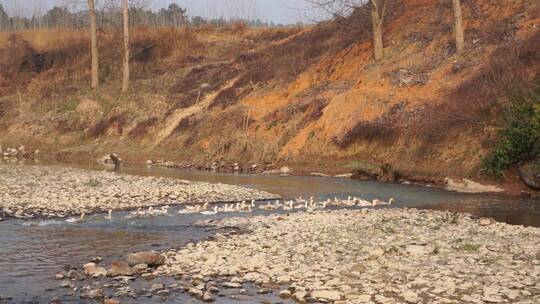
x=520 y=136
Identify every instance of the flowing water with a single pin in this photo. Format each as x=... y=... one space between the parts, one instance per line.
x=31 y=252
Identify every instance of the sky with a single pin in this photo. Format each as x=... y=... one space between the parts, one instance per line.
x=278 y=11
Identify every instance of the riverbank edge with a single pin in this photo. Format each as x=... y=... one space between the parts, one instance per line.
x=511 y=186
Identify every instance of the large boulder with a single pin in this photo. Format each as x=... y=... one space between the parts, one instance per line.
x=150 y=258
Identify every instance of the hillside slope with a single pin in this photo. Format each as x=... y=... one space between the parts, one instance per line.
x=312 y=98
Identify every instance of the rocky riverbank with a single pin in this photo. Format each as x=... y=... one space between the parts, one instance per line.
x=37 y=191
x=368 y=256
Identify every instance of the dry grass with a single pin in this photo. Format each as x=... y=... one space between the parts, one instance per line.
x=45 y=39
x=141 y=128
x=476 y=101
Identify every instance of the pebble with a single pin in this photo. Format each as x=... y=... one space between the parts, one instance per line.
x=285 y=294
x=208 y=297
x=94 y=271
x=54 y=300
x=93 y=294
x=329 y=295
x=232 y=285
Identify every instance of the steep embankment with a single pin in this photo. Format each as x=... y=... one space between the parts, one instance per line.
x=311 y=97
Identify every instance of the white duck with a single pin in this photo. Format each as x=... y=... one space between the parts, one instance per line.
x=288 y=206
x=109 y=216
x=190 y=209
x=76 y=219
x=364 y=203
x=207 y=212
x=164 y=211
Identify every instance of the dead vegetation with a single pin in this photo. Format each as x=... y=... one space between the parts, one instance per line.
x=475 y=102
x=141 y=129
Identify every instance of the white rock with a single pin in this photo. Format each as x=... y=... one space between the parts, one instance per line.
x=329 y=295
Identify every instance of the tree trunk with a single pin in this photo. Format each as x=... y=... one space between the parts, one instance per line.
x=93 y=39
x=125 y=78
x=458 y=26
x=377 y=18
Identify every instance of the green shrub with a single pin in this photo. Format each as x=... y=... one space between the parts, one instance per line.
x=519 y=139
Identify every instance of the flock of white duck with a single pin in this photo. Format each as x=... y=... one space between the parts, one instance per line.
x=289 y=205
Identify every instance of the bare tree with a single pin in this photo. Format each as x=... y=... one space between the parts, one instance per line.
x=125 y=78
x=346 y=7
x=378 y=9
x=93 y=43
x=458 y=26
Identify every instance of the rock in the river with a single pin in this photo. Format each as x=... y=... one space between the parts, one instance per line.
x=74 y=275
x=157 y=287
x=148 y=276
x=329 y=295
x=97 y=260
x=150 y=258
x=140 y=268
x=66 y=284
x=285 y=294
x=111 y=301
x=121 y=268
x=59 y=276
x=55 y=300
x=92 y=270
x=93 y=294
x=208 y=297
x=232 y=285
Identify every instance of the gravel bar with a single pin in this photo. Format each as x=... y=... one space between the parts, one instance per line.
x=48 y=192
